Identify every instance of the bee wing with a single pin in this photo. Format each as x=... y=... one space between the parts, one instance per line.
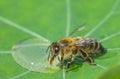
x=83 y=42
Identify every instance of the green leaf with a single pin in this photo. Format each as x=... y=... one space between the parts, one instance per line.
x=26 y=19
x=112 y=73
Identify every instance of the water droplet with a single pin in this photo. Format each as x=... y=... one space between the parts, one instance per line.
x=31 y=54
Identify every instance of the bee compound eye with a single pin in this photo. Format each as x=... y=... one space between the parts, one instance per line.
x=56 y=48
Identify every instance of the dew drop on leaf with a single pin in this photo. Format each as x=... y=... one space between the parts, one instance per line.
x=31 y=54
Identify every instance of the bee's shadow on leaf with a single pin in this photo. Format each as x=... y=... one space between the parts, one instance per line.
x=75 y=65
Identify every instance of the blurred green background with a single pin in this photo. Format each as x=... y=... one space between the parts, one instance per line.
x=49 y=18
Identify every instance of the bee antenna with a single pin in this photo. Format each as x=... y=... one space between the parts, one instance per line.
x=49 y=55
x=79 y=28
x=47 y=48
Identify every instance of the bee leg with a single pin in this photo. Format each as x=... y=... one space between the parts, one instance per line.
x=69 y=62
x=70 y=59
x=87 y=58
x=60 y=58
x=61 y=61
x=90 y=61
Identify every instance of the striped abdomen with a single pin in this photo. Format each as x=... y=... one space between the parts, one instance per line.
x=92 y=47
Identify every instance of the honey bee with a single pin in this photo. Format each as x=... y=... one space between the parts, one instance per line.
x=70 y=47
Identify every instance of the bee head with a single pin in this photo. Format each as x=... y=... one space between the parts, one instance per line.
x=54 y=51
